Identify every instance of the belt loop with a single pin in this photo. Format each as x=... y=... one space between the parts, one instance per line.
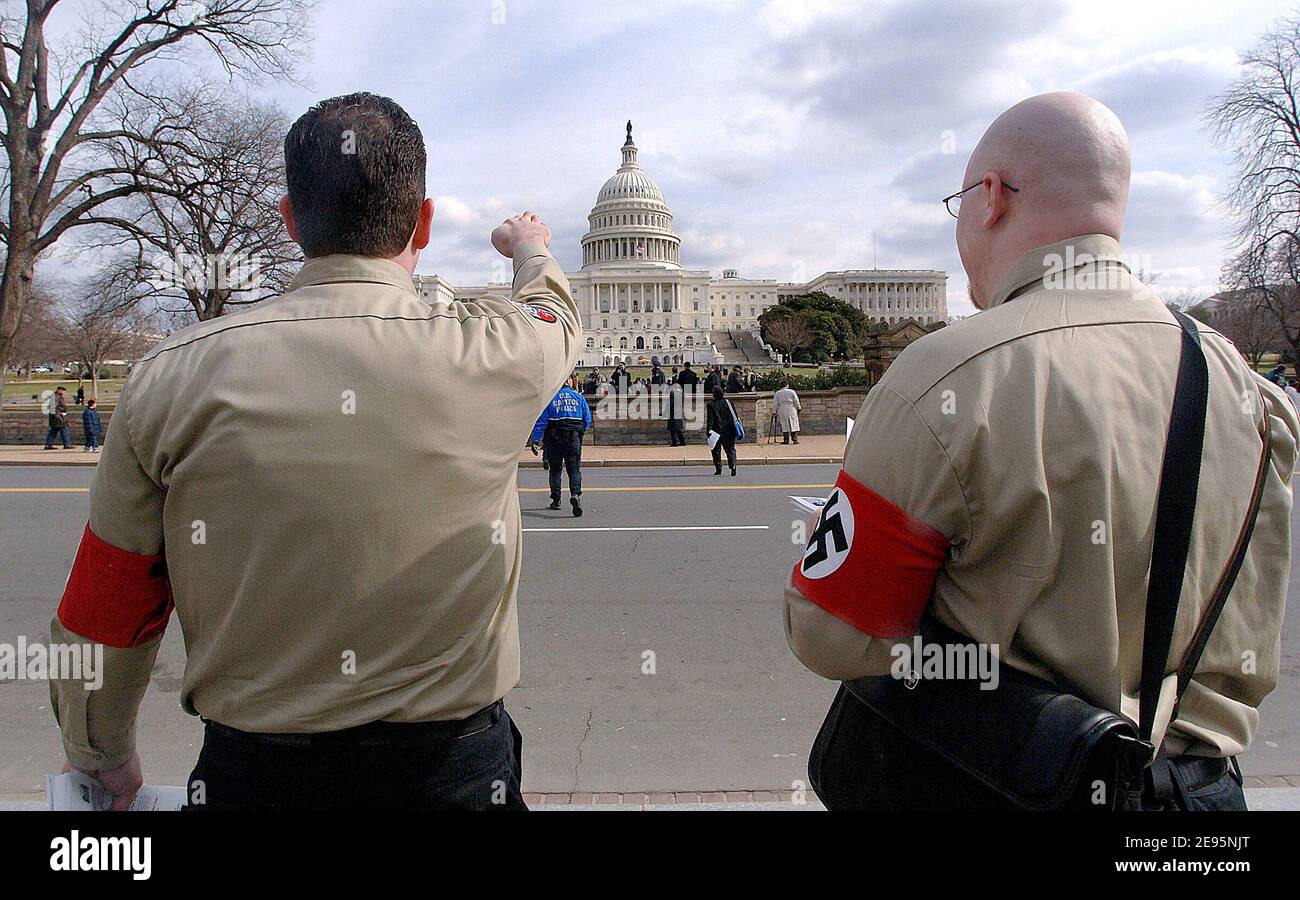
x=1162 y=781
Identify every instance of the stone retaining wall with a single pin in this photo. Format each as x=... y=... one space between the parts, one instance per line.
x=30 y=427
x=824 y=412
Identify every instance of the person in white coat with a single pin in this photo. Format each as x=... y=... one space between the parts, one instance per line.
x=787 y=412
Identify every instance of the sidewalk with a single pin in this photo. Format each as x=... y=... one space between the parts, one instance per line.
x=1257 y=799
x=813 y=448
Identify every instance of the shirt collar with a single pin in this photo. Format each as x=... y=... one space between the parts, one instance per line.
x=340 y=268
x=1055 y=261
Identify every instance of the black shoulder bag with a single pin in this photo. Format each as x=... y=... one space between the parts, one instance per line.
x=1028 y=744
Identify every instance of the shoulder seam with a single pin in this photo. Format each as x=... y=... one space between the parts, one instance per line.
x=155 y=354
x=1012 y=340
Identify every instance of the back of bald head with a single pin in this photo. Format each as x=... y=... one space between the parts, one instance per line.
x=1069 y=156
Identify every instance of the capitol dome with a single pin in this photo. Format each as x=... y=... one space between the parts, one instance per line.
x=630 y=225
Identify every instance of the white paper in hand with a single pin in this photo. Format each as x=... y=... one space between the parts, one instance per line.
x=78 y=792
x=714 y=437
x=808 y=504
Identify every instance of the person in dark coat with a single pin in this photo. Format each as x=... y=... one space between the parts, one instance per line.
x=720 y=417
x=90 y=425
x=58 y=420
x=735 y=383
x=622 y=380
x=688 y=379
x=711 y=380
x=676 y=416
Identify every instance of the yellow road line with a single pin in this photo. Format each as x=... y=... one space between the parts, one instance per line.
x=522 y=490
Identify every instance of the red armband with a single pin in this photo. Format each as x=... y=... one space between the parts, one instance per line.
x=869 y=563
x=115 y=597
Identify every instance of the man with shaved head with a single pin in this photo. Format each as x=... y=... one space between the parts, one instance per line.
x=1002 y=488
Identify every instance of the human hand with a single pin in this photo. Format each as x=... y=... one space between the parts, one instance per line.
x=525 y=228
x=123 y=783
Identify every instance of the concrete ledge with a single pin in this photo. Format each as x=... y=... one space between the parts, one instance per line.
x=812 y=450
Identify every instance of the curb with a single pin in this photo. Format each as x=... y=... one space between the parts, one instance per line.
x=648 y=463
x=530 y=464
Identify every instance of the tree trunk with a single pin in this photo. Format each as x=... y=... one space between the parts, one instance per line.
x=15 y=289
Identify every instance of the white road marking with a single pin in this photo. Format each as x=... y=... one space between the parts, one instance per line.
x=661 y=528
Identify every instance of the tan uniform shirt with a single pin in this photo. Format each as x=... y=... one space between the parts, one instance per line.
x=1026 y=433
x=331 y=481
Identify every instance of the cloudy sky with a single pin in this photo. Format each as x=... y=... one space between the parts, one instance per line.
x=785 y=134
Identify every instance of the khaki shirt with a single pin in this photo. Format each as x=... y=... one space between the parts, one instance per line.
x=331 y=479
x=1024 y=433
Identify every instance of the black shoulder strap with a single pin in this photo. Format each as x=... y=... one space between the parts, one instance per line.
x=1180 y=476
x=1175 y=511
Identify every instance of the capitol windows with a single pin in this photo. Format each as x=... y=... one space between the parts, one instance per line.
x=690 y=341
x=657 y=344
x=737 y=312
x=591 y=343
x=607 y=344
x=622 y=343
x=672 y=342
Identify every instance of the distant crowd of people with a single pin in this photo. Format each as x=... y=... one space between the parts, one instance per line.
x=733 y=380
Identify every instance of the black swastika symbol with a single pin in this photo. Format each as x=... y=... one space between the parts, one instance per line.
x=829 y=527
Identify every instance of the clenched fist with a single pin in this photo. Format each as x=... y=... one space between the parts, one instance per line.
x=525 y=228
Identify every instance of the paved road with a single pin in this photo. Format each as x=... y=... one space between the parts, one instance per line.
x=728 y=708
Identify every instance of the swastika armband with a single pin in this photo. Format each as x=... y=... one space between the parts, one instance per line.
x=869 y=563
x=115 y=597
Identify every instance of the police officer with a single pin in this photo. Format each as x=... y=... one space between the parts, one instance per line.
x=1003 y=473
x=560 y=429
x=345 y=572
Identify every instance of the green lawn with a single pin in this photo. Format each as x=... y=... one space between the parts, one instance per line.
x=19 y=392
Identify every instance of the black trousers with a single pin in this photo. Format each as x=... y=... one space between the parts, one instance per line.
x=725 y=442
x=562 y=452
x=860 y=763
x=472 y=764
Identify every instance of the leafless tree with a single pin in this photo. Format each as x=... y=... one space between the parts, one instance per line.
x=57 y=175
x=788 y=335
x=39 y=337
x=1269 y=275
x=1248 y=323
x=97 y=332
x=206 y=234
x=1258 y=119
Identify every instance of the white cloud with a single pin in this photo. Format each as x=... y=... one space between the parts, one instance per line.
x=784 y=133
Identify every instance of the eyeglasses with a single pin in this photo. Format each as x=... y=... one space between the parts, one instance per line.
x=953 y=201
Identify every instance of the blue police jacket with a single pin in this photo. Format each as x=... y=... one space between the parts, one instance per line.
x=567 y=409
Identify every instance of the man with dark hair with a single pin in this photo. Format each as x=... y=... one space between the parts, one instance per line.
x=345 y=570
x=355 y=167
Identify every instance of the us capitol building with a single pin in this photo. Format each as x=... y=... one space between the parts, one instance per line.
x=637 y=301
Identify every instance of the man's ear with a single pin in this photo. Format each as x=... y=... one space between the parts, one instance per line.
x=423 y=225
x=996 y=206
x=286 y=213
